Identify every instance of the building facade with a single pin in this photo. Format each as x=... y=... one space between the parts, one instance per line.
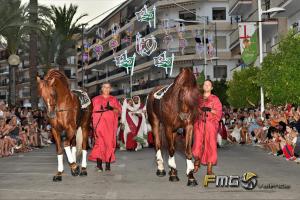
x=209 y=14
x=274 y=26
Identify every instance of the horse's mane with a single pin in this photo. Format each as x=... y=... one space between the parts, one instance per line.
x=186 y=84
x=58 y=75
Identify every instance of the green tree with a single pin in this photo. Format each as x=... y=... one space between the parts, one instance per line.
x=281 y=71
x=220 y=89
x=243 y=89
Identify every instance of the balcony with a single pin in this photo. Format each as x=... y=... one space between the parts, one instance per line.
x=291 y=7
x=239 y=7
x=4 y=71
x=234 y=38
x=23 y=80
x=170 y=3
x=3 y=84
x=24 y=95
x=151 y=84
x=3 y=97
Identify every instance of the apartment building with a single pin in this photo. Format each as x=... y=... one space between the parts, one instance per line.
x=213 y=15
x=274 y=26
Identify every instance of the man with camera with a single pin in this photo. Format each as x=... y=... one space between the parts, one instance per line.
x=205 y=129
x=106 y=110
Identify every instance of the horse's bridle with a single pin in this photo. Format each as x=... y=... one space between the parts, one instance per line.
x=55 y=107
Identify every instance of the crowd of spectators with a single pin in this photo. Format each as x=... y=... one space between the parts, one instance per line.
x=276 y=130
x=22 y=130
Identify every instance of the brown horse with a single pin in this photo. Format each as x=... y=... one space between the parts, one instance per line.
x=65 y=113
x=175 y=109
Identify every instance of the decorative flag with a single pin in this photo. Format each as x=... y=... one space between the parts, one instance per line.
x=145 y=46
x=199 y=43
x=100 y=33
x=128 y=38
x=86 y=47
x=210 y=46
x=126 y=62
x=248 y=41
x=168 y=38
x=97 y=48
x=182 y=41
x=145 y=15
x=165 y=62
x=114 y=42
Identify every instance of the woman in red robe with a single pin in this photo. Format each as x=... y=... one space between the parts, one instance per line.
x=106 y=110
x=206 y=128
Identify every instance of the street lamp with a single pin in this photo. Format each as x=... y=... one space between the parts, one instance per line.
x=260 y=13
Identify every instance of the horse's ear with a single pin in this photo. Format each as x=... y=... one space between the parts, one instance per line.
x=52 y=82
x=38 y=79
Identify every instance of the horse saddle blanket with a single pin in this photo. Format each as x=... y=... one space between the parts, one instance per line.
x=83 y=97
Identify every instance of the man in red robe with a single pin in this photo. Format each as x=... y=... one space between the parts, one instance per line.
x=106 y=110
x=206 y=128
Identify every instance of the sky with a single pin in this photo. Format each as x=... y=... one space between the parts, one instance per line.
x=91 y=7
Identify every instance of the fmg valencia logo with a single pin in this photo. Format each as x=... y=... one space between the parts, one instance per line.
x=248 y=181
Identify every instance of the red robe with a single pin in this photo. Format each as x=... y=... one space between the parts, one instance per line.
x=207 y=151
x=105 y=129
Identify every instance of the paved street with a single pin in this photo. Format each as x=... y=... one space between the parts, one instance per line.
x=29 y=176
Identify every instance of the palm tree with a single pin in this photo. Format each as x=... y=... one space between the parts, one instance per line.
x=65 y=26
x=33 y=53
x=11 y=15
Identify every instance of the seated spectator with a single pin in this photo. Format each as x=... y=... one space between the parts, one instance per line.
x=235 y=135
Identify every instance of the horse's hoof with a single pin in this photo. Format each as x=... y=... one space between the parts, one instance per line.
x=57 y=178
x=83 y=172
x=173 y=179
x=160 y=173
x=76 y=171
x=192 y=183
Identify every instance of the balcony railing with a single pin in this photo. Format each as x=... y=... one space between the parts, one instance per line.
x=236 y=5
x=234 y=37
x=3 y=84
x=24 y=80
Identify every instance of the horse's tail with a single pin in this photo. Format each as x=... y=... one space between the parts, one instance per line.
x=79 y=140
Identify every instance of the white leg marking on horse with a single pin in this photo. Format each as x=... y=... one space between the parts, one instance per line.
x=172 y=162
x=60 y=164
x=74 y=153
x=69 y=154
x=84 y=154
x=159 y=160
x=190 y=166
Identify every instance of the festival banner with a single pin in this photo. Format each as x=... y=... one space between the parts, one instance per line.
x=248 y=41
x=165 y=62
x=126 y=62
x=145 y=15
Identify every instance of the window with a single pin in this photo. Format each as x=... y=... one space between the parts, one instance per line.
x=219 y=13
x=221 y=42
x=220 y=71
x=68 y=73
x=187 y=15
